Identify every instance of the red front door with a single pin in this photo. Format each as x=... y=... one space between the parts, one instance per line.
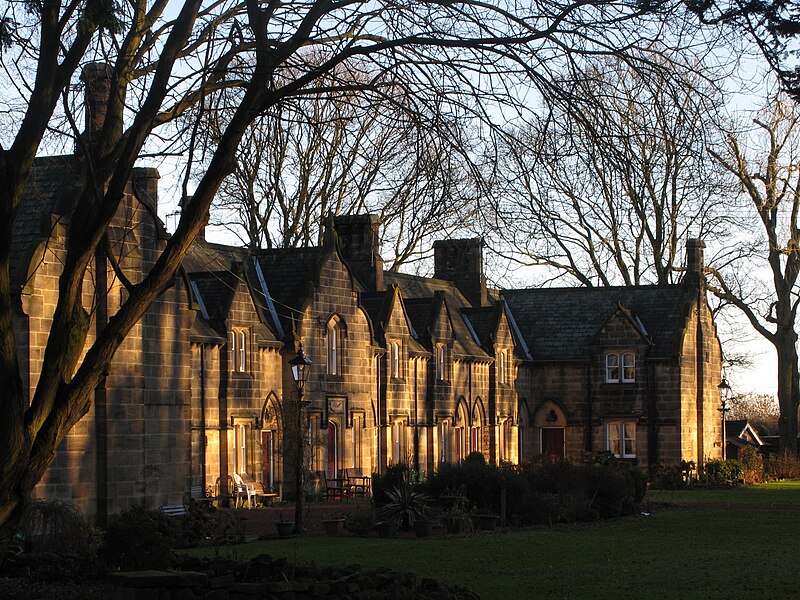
x=553 y=442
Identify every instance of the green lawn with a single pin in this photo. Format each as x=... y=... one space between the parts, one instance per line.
x=742 y=544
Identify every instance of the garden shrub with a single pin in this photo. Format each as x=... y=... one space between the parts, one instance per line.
x=782 y=466
x=724 y=472
x=60 y=545
x=140 y=539
x=753 y=465
x=545 y=491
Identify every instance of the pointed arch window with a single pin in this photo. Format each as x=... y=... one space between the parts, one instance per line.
x=335 y=333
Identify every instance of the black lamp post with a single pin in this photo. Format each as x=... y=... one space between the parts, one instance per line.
x=724 y=396
x=300 y=372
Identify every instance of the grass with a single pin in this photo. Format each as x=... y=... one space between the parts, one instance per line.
x=706 y=544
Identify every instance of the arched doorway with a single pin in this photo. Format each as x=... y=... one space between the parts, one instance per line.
x=270 y=432
x=551 y=422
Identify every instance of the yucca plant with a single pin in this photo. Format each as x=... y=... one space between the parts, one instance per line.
x=405 y=504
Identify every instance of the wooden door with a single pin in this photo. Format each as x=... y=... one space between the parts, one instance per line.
x=553 y=442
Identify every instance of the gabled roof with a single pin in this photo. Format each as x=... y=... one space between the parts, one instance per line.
x=215 y=271
x=424 y=298
x=740 y=429
x=379 y=306
x=561 y=323
x=289 y=275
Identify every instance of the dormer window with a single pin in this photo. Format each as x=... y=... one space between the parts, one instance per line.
x=620 y=367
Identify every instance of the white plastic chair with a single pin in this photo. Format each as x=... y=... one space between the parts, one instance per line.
x=243 y=490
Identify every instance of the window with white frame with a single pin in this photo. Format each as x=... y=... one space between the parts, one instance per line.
x=243 y=451
x=238 y=350
x=398 y=442
x=441 y=362
x=395 y=353
x=333 y=344
x=620 y=367
x=621 y=438
x=502 y=376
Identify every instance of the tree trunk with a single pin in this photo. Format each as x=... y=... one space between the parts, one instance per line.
x=788 y=392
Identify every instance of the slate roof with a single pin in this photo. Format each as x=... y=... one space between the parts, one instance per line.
x=51 y=188
x=560 y=323
x=215 y=271
x=378 y=306
x=289 y=275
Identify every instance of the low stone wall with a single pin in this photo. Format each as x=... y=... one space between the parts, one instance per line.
x=276 y=579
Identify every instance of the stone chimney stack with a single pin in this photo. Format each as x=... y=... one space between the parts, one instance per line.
x=694 y=261
x=359 y=243
x=97 y=78
x=461 y=262
x=145 y=186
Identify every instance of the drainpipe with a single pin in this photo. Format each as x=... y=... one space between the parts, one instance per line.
x=203 y=415
x=101 y=393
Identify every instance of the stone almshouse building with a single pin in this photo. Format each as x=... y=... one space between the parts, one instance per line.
x=405 y=368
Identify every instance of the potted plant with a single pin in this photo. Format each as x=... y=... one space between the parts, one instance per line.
x=486 y=521
x=284 y=527
x=423 y=527
x=456 y=520
x=334 y=525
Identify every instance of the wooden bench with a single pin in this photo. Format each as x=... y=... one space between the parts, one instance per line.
x=178 y=510
x=260 y=493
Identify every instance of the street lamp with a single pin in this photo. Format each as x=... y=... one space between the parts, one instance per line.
x=724 y=396
x=300 y=372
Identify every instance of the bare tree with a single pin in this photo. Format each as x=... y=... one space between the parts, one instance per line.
x=766 y=163
x=606 y=192
x=164 y=63
x=362 y=150
x=760 y=409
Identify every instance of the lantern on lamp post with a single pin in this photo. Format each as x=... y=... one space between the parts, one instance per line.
x=724 y=397
x=300 y=369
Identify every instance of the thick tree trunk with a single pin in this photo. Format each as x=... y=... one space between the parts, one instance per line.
x=788 y=392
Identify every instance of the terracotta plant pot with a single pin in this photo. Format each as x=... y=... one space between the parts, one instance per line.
x=333 y=526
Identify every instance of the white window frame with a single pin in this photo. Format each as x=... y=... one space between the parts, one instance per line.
x=238 y=350
x=241 y=441
x=620 y=367
x=628 y=367
x=612 y=367
x=441 y=362
x=395 y=350
x=333 y=345
x=502 y=376
x=623 y=435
